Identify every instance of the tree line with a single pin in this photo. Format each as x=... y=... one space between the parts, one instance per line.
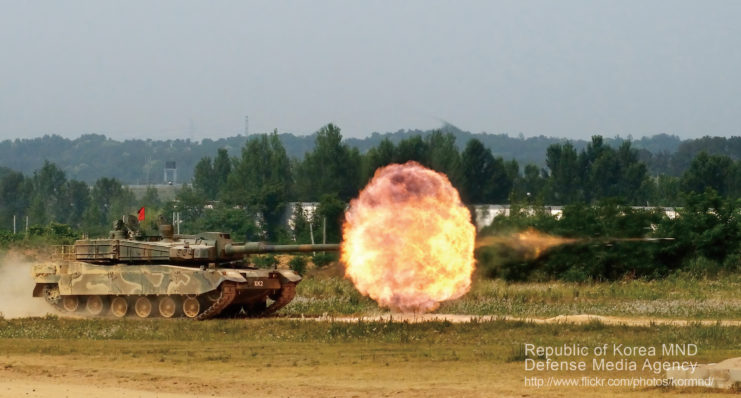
x=248 y=193
x=141 y=161
x=264 y=176
x=48 y=197
x=264 y=179
x=611 y=241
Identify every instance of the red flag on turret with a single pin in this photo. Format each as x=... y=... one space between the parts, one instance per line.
x=141 y=214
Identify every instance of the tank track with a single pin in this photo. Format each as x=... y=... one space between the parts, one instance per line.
x=228 y=294
x=52 y=297
x=287 y=293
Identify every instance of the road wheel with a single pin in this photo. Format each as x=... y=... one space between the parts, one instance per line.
x=191 y=307
x=143 y=307
x=71 y=303
x=119 y=307
x=211 y=296
x=95 y=305
x=51 y=295
x=167 y=306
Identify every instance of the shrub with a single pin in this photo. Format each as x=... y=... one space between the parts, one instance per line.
x=264 y=261
x=298 y=264
x=322 y=259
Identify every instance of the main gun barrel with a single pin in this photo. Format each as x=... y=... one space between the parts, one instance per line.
x=259 y=248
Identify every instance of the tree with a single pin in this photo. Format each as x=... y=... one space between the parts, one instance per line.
x=564 y=179
x=47 y=203
x=190 y=204
x=413 y=148
x=15 y=192
x=666 y=192
x=301 y=228
x=151 y=198
x=111 y=201
x=634 y=181
x=222 y=168
x=708 y=226
x=261 y=181
x=705 y=171
x=484 y=179
x=204 y=178
x=444 y=156
x=331 y=168
x=734 y=186
x=238 y=222
x=613 y=174
x=597 y=172
x=331 y=209
x=602 y=174
x=381 y=155
x=210 y=178
x=532 y=182
x=77 y=200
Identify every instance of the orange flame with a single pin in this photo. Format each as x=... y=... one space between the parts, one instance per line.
x=531 y=241
x=408 y=240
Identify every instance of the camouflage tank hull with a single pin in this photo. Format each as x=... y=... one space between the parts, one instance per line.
x=200 y=276
x=162 y=290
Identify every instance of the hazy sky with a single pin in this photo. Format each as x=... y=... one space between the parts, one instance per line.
x=169 y=69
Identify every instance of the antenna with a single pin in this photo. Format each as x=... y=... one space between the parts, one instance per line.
x=191 y=129
x=246 y=125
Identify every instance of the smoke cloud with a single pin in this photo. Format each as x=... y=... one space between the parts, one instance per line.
x=16 y=287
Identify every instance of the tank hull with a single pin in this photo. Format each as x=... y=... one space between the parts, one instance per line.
x=200 y=276
x=165 y=290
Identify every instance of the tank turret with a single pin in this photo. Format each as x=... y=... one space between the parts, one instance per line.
x=126 y=244
x=197 y=276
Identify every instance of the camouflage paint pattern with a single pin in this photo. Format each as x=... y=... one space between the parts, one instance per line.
x=128 y=263
x=79 y=278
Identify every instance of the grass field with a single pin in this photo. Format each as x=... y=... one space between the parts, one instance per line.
x=680 y=296
x=53 y=356
x=278 y=357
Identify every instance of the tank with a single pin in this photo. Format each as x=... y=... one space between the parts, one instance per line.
x=197 y=276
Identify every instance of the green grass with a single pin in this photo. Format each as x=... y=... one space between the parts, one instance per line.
x=491 y=340
x=331 y=296
x=680 y=296
x=325 y=358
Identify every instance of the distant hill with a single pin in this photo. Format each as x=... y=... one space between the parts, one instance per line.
x=92 y=156
x=524 y=150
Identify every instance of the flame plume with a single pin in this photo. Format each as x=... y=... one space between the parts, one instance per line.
x=408 y=240
x=531 y=242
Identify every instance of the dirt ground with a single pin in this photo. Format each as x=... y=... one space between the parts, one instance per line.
x=121 y=368
x=44 y=376
x=65 y=377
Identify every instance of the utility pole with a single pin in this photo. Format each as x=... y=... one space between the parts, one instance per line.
x=311 y=234
x=176 y=221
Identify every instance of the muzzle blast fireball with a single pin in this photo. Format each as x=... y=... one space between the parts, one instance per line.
x=408 y=241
